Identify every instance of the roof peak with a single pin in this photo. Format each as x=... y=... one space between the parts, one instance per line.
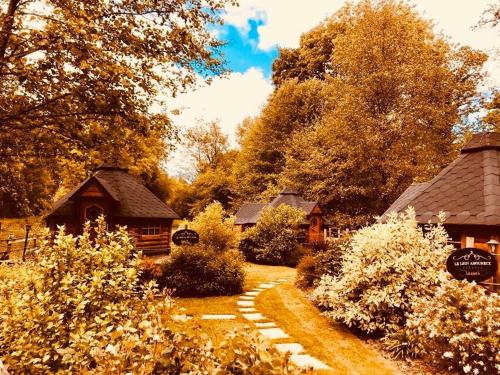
x=481 y=142
x=288 y=191
x=110 y=167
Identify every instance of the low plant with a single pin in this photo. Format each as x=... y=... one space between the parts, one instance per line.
x=457 y=328
x=197 y=271
x=386 y=269
x=216 y=228
x=325 y=262
x=273 y=240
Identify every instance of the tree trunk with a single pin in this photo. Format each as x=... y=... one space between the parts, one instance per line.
x=8 y=23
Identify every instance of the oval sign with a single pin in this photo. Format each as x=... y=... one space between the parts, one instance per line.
x=185 y=236
x=471 y=264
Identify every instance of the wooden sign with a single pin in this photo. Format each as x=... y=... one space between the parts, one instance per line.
x=471 y=264
x=185 y=236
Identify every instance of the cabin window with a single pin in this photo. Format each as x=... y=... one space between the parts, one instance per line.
x=93 y=212
x=151 y=229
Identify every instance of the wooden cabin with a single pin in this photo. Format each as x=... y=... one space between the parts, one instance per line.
x=467 y=191
x=249 y=213
x=124 y=201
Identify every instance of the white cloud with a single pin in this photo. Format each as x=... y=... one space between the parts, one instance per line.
x=229 y=100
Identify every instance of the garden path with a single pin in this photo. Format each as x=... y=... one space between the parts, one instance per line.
x=281 y=312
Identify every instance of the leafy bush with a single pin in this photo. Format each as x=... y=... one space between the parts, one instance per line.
x=81 y=308
x=457 y=328
x=386 y=269
x=327 y=262
x=274 y=236
x=215 y=228
x=196 y=271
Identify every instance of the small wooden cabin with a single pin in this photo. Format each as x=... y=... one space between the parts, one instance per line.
x=249 y=213
x=467 y=191
x=123 y=200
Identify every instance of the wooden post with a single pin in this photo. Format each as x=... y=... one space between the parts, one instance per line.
x=28 y=227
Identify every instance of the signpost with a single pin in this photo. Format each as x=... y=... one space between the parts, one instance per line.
x=185 y=236
x=471 y=264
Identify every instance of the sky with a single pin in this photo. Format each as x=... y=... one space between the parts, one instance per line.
x=257 y=28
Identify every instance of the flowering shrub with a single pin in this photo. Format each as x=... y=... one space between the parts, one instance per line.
x=386 y=268
x=457 y=327
x=273 y=239
x=215 y=228
x=81 y=308
x=197 y=271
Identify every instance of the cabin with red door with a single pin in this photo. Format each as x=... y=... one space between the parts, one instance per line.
x=249 y=213
x=124 y=201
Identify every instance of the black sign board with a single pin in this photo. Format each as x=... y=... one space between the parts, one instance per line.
x=185 y=236
x=301 y=237
x=471 y=264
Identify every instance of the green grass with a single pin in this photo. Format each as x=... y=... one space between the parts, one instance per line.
x=295 y=314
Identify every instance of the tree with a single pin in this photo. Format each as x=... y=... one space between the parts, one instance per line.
x=384 y=109
x=207 y=145
x=492 y=117
x=78 y=79
x=292 y=107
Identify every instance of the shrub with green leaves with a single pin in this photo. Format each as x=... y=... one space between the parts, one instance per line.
x=215 y=227
x=274 y=237
x=457 y=328
x=386 y=269
x=197 y=271
x=80 y=307
x=326 y=262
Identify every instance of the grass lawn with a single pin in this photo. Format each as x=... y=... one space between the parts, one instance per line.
x=292 y=312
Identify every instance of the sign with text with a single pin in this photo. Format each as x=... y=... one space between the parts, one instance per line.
x=185 y=236
x=471 y=264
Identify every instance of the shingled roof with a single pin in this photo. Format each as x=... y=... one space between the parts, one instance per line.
x=467 y=190
x=249 y=213
x=132 y=197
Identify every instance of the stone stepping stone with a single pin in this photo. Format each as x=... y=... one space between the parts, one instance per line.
x=218 y=316
x=254 y=316
x=266 y=286
x=181 y=317
x=282 y=280
x=293 y=348
x=252 y=293
x=258 y=289
x=247 y=298
x=265 y=325
x=305 y=360
x=247 y=309
x=245 y=303
x=273 y=333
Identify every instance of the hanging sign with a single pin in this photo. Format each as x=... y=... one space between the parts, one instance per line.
x=185 y=236
x=471 y=264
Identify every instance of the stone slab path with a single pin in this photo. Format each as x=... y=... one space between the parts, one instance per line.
x=270 y=330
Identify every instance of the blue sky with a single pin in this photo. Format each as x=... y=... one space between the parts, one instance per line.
x=242 y=51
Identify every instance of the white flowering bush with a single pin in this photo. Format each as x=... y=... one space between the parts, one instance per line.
x=386 y=269
x=458 y=328
x=80 y=307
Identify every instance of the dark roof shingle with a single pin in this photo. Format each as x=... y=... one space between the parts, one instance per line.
x=133 y=198
x=467 y=190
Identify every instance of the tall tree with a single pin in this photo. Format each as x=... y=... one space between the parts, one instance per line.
x=393 y=91
x=78 y=78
